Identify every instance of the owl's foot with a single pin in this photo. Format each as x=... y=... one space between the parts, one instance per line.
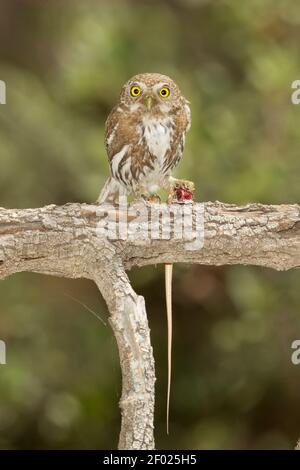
x=154 y=199
x=147 y=199
x=181 y=191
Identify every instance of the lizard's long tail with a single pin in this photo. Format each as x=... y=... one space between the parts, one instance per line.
x=168 y=285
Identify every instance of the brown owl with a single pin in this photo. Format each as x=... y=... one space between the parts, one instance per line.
x=144 y=138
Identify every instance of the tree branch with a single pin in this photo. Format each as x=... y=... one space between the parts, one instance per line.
x=129 y=322
x=75 y=241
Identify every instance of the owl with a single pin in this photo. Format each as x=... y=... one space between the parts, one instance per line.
x=145 y=137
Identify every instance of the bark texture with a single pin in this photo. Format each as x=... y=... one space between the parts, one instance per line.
x=75 y=241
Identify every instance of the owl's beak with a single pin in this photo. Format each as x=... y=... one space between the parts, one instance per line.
x=149 y=102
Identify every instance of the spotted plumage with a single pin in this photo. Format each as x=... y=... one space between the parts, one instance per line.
x=145 y=136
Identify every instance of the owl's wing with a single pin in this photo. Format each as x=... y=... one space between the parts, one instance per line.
x=117 y=149
x=116 y=137
x=187 y=111
x=182 y=125
x=120 y=140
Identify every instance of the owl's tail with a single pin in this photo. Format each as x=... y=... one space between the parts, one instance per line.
x=111 y=191
x=168 y=286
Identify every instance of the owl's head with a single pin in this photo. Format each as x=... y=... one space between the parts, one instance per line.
x=151 y=92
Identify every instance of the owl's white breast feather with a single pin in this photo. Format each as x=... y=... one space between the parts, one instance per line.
x=157 y=133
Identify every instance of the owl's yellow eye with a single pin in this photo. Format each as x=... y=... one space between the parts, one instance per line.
x=164 y=92
x=135 y=91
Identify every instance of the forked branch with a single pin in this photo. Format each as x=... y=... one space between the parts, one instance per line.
x=76 y=241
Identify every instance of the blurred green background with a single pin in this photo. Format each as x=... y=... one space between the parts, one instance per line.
x=234 y=385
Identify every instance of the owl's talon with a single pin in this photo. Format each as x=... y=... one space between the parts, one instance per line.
x=147 y=199
x=154 y=199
